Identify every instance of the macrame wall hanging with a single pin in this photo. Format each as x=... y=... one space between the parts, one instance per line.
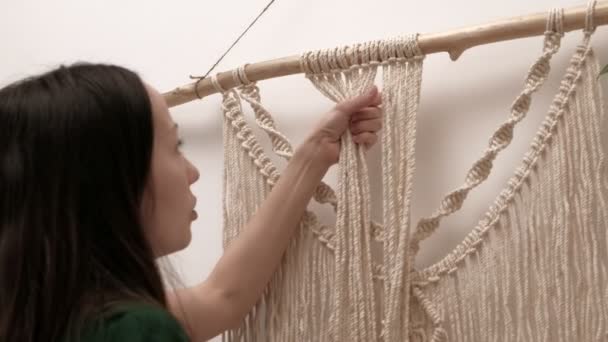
x=534 y=268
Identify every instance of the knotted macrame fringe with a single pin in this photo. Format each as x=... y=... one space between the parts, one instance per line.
x=535 y=266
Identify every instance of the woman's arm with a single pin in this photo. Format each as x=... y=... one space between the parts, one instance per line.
x=239 y=278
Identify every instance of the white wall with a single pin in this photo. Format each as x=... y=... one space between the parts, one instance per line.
x=462 y=102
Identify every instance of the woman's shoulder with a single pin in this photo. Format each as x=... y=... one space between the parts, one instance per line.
x=136 y=322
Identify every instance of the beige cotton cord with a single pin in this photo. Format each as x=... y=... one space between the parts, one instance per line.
x=503 y=136
x=534 y=268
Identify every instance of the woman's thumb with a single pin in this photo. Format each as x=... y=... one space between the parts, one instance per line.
x=355 y=104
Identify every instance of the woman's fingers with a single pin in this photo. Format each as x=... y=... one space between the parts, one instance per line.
x=377 y=100
x=365 y=124
x=367 y=114
x=371 y=126
x=357 y=103
x=366 y=138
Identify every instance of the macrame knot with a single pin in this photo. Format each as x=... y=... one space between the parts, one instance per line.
x=231 y=101
x=325 y=194
x=306 y=61
x=418 y=334
x=371 y=52
x=439 y=334
x=399 y=48
x=216 y=84
x=554 y=31
x=538 y=72
x=590 y=18
x=454 y=200
x=341 y=55
x=378 y=232
x=379 y=272
x=323 y=233
x=503 y=136
x=368 y=54
x=425 y=226
x=555 y=22
x=411 y=47
x=387 y=51
x=572 y=74
x=481 y=170
x=250 y=90
x=242 y=76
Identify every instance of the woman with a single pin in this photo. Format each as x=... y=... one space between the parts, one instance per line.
x=94 y=188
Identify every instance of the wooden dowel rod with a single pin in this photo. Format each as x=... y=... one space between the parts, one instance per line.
x=454 y=42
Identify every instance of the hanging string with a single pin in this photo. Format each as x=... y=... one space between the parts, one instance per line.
x=200 y=78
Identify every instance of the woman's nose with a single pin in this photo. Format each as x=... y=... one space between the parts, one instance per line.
x=193 y=174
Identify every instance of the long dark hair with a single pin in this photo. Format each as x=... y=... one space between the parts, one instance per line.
x=75 y=150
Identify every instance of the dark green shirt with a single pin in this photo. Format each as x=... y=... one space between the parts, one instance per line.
x=136 y=323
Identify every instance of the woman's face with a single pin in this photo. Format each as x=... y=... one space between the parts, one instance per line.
x=168 y=203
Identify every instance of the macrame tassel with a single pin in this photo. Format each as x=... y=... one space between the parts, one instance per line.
x=353 y=298
x=402 y=74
